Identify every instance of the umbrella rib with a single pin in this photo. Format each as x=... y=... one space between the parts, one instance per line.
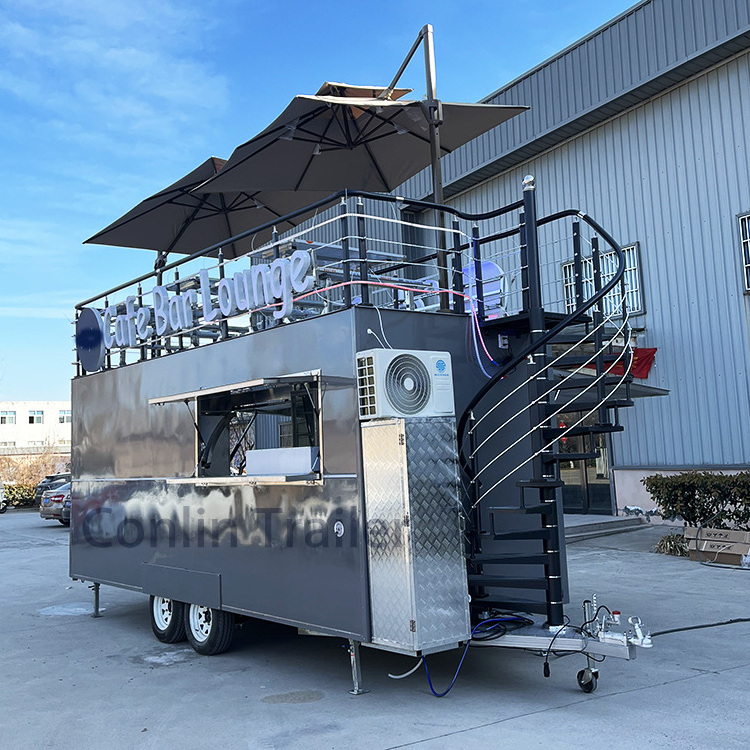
x=371 y=155
x=312 y=156
x=183 y=228
x=229 y=167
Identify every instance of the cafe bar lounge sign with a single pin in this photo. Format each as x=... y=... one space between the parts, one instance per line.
x=270 y=287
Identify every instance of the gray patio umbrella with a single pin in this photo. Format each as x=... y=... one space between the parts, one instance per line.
x=336 y=142
x=183 y=218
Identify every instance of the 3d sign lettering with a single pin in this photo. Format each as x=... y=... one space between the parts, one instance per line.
x=268 y=287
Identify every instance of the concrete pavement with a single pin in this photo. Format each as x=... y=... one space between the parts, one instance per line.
x=70 y=681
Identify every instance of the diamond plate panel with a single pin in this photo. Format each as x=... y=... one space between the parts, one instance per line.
x=418 y=588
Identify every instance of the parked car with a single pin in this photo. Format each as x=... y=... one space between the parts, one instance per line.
x=50 y=482
x=3 y=504
x=55 y=505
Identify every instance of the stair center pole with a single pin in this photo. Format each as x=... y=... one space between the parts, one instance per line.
x=538 y=384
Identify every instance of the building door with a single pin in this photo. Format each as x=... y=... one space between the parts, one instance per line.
x=587 y=481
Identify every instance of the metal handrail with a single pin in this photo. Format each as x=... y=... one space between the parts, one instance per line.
x=322 y=203
x=545 y=338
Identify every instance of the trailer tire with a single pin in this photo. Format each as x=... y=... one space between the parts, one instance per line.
x=167 y=619
x=209 y=631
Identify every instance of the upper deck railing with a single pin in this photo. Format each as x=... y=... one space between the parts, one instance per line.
x=359 y=249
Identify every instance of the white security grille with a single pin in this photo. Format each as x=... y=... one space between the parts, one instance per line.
x=745 y=243
x=608 y=263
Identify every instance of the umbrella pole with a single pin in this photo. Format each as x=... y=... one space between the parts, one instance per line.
x=435 y=118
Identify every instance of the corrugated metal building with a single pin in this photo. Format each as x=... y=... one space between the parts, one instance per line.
x=645 y=125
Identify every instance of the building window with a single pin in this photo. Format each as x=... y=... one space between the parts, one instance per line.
x=36 y=443
x=8 y=444
x=65 y=416
x=608 y=263
x=745 y=243
x=36 y=417
x=7 y=417
x=63 y=442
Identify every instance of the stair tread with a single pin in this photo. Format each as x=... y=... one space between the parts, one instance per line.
x=479 y=579
x=556 y=457
x=540 y=508
x=509 y=559
x=552 y=432
x=520 y=535
x=578 y=405
x=515 y=605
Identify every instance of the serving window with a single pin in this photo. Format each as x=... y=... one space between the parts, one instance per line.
x=263 y=428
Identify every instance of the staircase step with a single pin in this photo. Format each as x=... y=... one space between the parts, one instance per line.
x=478 y=579
x=560 y=457
x=489 y=559
x=540 y=483
x=542 y=508
x=552 y=433
x=579 y=383
x=511 y=606
x=576 y=360
x=509 y=536
x=576 y=406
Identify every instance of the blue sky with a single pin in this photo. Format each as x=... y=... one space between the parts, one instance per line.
x=105 y=102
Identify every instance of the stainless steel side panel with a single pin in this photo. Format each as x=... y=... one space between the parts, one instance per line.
x=418 y=586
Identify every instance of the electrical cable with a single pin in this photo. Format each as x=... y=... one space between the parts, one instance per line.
x=445 y=692
x=701 y=627
x=407 y=674
x=382 y=330
x=551 y=643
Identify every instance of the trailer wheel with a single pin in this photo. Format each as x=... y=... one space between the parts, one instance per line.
x=209 y=631
x=587 y=680
x=167 y=619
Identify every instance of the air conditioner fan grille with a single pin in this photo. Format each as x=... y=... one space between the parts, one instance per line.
x=407 y=384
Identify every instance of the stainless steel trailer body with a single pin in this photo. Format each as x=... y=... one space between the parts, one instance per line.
x=287 y=549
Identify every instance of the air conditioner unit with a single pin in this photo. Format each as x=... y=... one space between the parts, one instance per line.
x=404 y=383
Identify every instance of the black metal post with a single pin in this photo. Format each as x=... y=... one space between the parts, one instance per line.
x=144 y=348
x=275 y=241
x=223 y=325
x=577 y=265
x=364 y=289
x=344 y=225
x=476 y=255
x=598 y=319
x=79 y=368
x=542 y=476
x=457 y=283
x=535 y=309
x=180 y=338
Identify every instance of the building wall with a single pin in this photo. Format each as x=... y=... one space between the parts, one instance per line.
x=671 y=174
x=22 y=435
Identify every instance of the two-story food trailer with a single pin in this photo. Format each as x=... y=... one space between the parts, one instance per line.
x=351 y=428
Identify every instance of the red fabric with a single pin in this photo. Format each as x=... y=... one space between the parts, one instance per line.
x=642 y=361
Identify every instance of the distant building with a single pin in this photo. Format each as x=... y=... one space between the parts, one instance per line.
x=33 y=427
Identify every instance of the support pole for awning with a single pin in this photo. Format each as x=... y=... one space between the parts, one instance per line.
x=426 y=37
